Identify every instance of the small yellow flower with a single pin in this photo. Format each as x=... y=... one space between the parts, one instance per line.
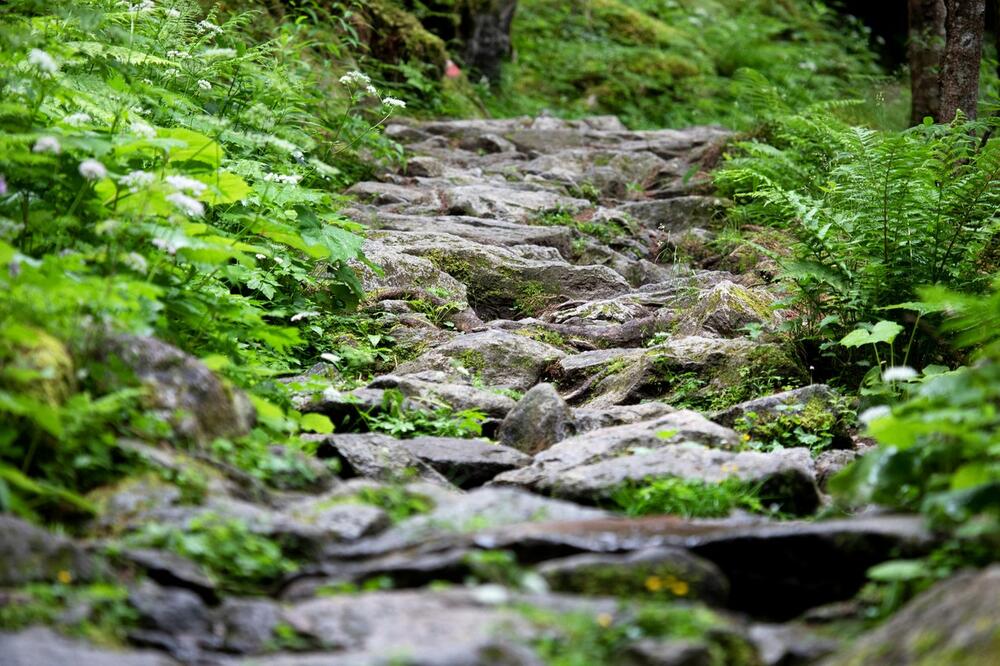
x=605 y=620
x=679 y=588
x=654 y=583
x=64 y=577
x=746 y=437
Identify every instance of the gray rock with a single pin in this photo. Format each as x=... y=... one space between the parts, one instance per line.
x=39 y=646
x=618 y=443
x=587 y=419
x=678 y=213
x=467 y=463
x=815 y=408
x=498 y=357
x=429 y=390
x=540 y=419
x=726 y=309
x=402 y=271
x=651 y=652
x=248 y=625
x=514 y=202
x=789 y=644
x=375 y=456
x=318 y=520
x=169 y=609
x=487 y=143
x=197 y=403
x=829 y=463
x=958 y=618
x=172 y=570
x=31 y=554
x=658 y=573
x=424 y=167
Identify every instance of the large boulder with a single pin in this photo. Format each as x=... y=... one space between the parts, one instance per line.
x=955 y=622
x=31 y=554
x=540 y=419
x=39 y=646
x=199 y=405
x=499 y=358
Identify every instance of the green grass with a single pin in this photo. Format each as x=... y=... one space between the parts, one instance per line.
x=688 y=498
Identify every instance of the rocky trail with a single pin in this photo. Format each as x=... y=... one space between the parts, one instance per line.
x=558 y=277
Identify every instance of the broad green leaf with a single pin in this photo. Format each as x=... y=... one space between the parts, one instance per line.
x=224 y=188
x=899 y=571
x=885 y=331
x=316 y=423
x=190 y=146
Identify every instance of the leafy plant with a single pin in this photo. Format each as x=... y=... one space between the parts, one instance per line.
x=396 y=419
x=688 y=498
x=107 y=617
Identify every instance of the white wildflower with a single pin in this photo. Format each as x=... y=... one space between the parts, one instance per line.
x=260 y=257
x=218 y=53
x=77 y=119
x=47 y=144
x=372 y=90
x=171 y=73
x=204 y=85
x=136 y=262
x=185 y=184
x=179 y=55
x=143 y=129
x=189 y=205
x=173 y=13
x=209 y=27
x=92 y=170
x=303 y=315
x=900 y=373
x=874 y=413
x=144 y=6
x=290 y=179
x=281 y=144
x=43 y=61
x=808 y=65
x=394 y=103
x=165 y=245
x=332 y=358
x=279 y=260
x=107 y=227
x=137 y=180
x=355 y=78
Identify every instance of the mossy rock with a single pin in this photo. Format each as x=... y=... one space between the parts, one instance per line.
x=49 y=365
x=394 y=35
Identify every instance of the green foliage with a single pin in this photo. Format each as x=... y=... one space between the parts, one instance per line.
x=939 y=451
x=688 y=498
x=815 y=425
x=163 y=172
x=666 y=63
x=874 y=215
x=580 y=639
x=106 y=620
x=399 y=420
x=241 y=559
x=398 y=502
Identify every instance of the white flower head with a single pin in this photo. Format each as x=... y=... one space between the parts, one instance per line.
x=204 y=85
x=144 y=6
x=143 y=129
x=136 y=262
x=874 y=413
x=43 y=61
x=209 y=27
x=179 y=55
x=91 y=169
x=393 y=102
x=303 y=315
x=186 y=204
x=899 y=373
x=355 y=78
x=165 y=245
x=371 y=90
x=77 y=119
x=185 y=184
x=218 y=53
x=173 y=13
x=137 y=180
x=260 y=257
x=290 y=179
x=47 y=144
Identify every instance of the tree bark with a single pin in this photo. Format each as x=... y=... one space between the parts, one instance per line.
x=926 y=52
x=962 y=54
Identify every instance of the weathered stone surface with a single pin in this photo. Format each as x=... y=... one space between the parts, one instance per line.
x=42 y=647
x=170 y=569
x=401 y=271
x=586 y=419
x=248 y=624
x=467 y=463
x=789 y=644
x=500 y=358
x=814 y=409
x=374 y=456
x=956 y=621
x=319 y=520
x=618 y=443
x=540 y=419
x=651 y=652
x=197 y=403
x=726 y=309
x=31 y=554
x=829 y=463
x=679 y=212
x=658 y=573
x=170 y=609
x=775 y=570
x=429 y=389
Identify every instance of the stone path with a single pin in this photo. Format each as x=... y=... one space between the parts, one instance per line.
x=544 y=273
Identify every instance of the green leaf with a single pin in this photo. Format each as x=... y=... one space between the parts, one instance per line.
x=190 y=146
x=883 y=331
x=899 y=571
x=316 y=423
x=225 y=188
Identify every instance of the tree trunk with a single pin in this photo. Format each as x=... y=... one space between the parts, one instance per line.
x=485 y=33
x=926 y=51
x=962 y=54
